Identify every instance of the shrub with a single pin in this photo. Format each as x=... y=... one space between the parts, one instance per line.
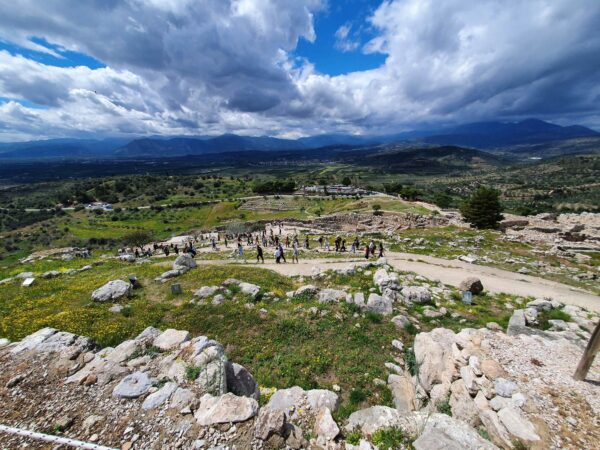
x=390 y=438
x=357 y=396
x=444 y=407
x=192 y=372
x=411 y=361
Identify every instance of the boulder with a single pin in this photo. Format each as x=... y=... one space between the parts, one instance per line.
x=33 y=340
x=359 y=299
x=332 y=296
x=540 y=304
x=517 y=323
x=132 y=386
x=472 y=285
x=403 y=392
x=375 y=418
x=183 y=398
x=434 y=355
x=240 y=381
x=319 y=398
x=517 y=424
x=268 y=423
x=385 y=280
x=185 y=260
x=286 y=400
x=504 y=387
x=171 y=339
x=400 y=321
x=325 y=427
x=227 y=408
x=111 y=291
x=492 y=369
x=249 y=289
x=160 y=397
x=147 y=336
x=308 y=290
x=442 y=431
x=207 y=291
x=416 y=294
x=379 y=304
x=497 y=432
x=463 y=407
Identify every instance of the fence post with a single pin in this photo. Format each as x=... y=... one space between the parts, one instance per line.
x=588 y=355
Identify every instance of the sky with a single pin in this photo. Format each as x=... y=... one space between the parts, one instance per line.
x=291 y=68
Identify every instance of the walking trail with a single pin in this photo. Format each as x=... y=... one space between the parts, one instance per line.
x=452 y=272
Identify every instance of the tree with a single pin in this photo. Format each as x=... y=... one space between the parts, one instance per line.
x=138 y=239
x=346 y=181
x=483 y=208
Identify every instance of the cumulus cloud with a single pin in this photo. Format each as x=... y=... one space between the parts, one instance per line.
x=344 y=40
x=212 y=66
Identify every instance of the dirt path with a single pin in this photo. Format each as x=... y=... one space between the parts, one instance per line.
x=452 y=272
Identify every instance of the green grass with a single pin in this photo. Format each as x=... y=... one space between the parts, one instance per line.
x=390 y=439
x=544 y=318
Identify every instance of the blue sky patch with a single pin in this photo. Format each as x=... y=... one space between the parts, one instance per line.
x=67 y=58
x=336 y=55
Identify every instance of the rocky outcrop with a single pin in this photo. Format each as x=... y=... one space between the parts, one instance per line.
x=111 y=291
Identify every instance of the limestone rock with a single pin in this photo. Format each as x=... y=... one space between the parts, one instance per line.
x=332 y=296
x=308 y=290
x=442 y=431
x=160 y=397
x=268 y=423
x=463 y=407
x=400 y=321
x=249 y=289
x=379 y=304
x=185 y=260
x=417 y=294
x=492 y=369
x=504 y=387
x=433 y=352
x=403 y=392
x=111 y=291
x=325 y=427
x=240 y=381
x=132 y=386
x=472 y=285
x=375 y=418
x=207 y=291
x=227 y=408
x=171 y=339
x=517 y=424
x=320 y=398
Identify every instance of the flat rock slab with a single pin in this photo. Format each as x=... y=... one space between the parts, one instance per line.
x=133 y=386
x=226 y=408
x=171 y=339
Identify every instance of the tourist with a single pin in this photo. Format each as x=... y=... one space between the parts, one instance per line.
x=259 y=254
x=277 y=255
x=240 y=250
x=367 y=252
x=282 y=253
x=381 y=250
x=295 y=253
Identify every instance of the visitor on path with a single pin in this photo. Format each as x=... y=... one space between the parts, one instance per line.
x=193 y=251
x=259 y=254
x=282 y=253
x=343 y=247
x=327 y=247
x=214 y=244
x=287 y=241
x=367 y=252
x=306 y=243
x=176 y=248
x=321 y=241
x=240 y=250
x=381 y=250
x=166 y=251
x=225 y=241
x=372 y=248
x=295 y=253
x=277 y=255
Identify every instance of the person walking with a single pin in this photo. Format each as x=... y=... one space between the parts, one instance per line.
x=381 y=250
x=277 y=255
x=295 y=253
x=240 y=250
x=282 y=253
x=259 y=254
x=367 y=252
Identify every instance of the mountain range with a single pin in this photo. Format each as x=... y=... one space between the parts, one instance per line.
x=489 y=136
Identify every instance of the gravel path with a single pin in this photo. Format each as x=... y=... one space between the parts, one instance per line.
x=452 y=272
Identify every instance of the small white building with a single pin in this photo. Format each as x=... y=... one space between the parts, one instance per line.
x=99 y=206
